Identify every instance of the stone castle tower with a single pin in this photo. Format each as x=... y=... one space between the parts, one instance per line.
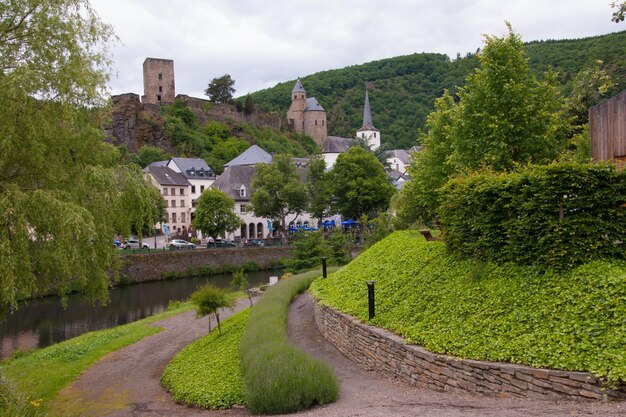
x=158 y=81
x=368 y=131
x=306 y=115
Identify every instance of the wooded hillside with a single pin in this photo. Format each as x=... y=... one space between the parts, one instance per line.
x=403 y=89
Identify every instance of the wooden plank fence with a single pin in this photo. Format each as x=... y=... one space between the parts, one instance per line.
x=607 y=125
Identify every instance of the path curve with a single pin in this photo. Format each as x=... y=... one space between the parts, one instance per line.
x=126 y=382
x=368 y=394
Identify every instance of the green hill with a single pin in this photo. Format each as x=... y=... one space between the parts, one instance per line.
x=574 y=320
x=403 y=89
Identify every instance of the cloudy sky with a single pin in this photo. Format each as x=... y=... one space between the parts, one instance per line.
x=263 y=42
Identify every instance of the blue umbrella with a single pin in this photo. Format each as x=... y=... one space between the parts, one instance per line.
x=348 y=222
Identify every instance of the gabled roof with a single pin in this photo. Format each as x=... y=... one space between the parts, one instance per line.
x=167 y=176
x=298 y=88
x=193 y=168
x=401 y=154
x=231 y=180
x=253 y=155
x=313 y=105
x=415 y=149
x=336 y=144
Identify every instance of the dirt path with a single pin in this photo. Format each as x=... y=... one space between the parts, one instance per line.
x=126 y=382
x=367 y=394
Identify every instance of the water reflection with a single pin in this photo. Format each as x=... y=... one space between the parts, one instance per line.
x=42 y=322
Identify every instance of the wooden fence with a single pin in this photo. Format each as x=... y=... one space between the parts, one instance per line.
x=607 y=124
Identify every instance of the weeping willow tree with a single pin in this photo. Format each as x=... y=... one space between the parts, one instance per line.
x=63 y=192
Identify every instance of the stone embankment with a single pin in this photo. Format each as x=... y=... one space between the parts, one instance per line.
x=156 y=265
x=376 y=349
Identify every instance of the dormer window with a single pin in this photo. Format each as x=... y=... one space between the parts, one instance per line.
x=242 y=191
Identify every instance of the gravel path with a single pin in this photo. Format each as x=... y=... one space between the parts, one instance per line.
x=126 y=382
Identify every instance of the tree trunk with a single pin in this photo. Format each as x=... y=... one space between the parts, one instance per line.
x=217 y=316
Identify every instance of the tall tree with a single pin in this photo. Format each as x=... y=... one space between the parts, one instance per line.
x=63 y=194
x=360 y=185
x=277 y=191
x=215 y=213
x=508 y=116
x=220 y=89
x=504 y=117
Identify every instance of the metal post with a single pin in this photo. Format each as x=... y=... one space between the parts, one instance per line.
x=324 y=267
x=370 y=298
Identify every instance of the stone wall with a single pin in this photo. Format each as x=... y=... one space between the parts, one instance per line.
x=151 y=266
x=376 y=349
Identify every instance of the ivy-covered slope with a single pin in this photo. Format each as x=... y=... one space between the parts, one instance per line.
x=403 y=89
x=572 y=321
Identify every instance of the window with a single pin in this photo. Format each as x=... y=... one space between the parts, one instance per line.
x=323 y=122
x=242 y=208
x=182 y=217
x=374 y=134
x=173 y=191
x=182 y=203
x=316 y=123
x=242 y=191
x=201 y=189
x=160 y=76
x=165 y=191
x=160 y=89
x=173 y=203
x=182 y=191
x=193 y=189
x=159 y=97
x=173 y=217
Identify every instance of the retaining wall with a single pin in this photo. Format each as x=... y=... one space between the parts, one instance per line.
x=151 y=266
x=375 y=349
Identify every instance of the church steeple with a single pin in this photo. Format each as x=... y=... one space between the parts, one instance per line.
x=368 y=131
x=367 y=113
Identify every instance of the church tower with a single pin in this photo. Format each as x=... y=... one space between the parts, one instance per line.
x=306 y=115
x=295 y=114
x=368 y=131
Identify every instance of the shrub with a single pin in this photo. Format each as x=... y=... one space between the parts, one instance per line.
x=558 y=216
x=14 y=403
x=278 y=377
x=570 y=320
x=207 y=373
x=309 y=247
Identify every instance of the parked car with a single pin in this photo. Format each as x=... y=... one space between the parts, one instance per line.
x=253 y=242
x=181 y=244
x=135 y=244
x=219 y=243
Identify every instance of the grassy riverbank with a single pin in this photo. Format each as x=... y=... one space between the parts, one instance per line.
x=39 y=375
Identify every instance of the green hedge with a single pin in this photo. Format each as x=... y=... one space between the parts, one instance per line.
x=560 y=215
x=207 y=372
x=278 y=377
x=573 y=320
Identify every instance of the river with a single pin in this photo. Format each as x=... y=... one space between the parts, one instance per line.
x=41 y=322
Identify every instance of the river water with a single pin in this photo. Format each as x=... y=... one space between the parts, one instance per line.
x=41 y=322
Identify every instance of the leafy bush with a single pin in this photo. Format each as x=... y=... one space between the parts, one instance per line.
x=207 y=372
x=278 y=377
x=560 y=215
x=309 y=247
x=572 y=320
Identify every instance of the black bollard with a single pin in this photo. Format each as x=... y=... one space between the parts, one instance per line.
x=323 y=267
x=370 y=298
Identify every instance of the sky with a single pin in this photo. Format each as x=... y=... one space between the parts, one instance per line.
x=263 y=42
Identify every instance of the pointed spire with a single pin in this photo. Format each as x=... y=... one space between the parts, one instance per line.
x=298 y=88
x=367 y=114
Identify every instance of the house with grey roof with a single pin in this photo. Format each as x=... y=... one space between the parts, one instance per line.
x=253 y=155
x=197 y=172
x=236 y=182
x=175 y=190
x=399 y=160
